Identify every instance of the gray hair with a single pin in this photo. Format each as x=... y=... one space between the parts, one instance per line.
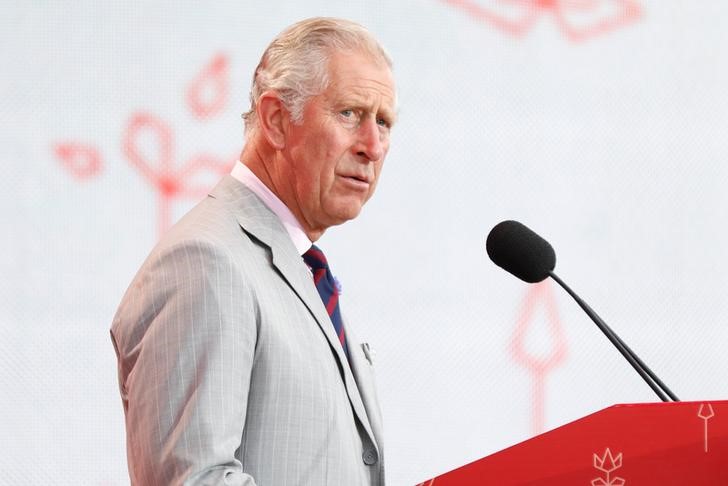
x=295 y=64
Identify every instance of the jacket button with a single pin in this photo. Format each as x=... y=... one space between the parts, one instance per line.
x=370 y=457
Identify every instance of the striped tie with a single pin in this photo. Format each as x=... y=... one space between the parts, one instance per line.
x=327 y=289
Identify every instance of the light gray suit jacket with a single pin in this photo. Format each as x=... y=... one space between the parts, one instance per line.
x=229 y=367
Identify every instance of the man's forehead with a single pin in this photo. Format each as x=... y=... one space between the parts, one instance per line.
x=365 y=86
x=357 y=65
x=363 y=93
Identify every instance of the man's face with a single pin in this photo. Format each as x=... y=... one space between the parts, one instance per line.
x=331 y=162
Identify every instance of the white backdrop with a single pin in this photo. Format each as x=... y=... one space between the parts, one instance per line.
x=602 y=125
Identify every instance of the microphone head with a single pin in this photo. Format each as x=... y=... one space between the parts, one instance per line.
x=520 y=251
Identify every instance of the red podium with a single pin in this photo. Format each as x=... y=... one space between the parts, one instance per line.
x=675 y=443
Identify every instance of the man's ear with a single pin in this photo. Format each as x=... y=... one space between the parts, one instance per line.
x=272 y=119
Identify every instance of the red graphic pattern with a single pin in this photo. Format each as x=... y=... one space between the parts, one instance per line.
x=148 y=145
x=539 y=365
x=576 y=19
x=607 y=464
x=705 y=412
x=159 y=169
x=207 y=94
x=81 y=160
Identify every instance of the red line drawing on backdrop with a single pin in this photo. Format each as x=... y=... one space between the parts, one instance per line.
x=207 y=94
x=577 y=19
x=159 y=169
x=539 y=365
x=81 y=160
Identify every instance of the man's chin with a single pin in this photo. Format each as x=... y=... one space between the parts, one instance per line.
x=344 y=214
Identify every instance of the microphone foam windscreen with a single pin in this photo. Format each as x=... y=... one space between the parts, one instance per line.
x=520 y=251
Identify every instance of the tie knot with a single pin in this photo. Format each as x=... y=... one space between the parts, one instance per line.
x=315 y=258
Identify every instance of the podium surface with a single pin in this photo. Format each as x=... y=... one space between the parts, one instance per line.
x=675 y=443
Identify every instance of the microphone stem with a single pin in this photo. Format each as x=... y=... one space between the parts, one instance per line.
x=639 y=366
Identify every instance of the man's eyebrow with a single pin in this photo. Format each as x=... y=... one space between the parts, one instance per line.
x=390 y=115
x=368 y=104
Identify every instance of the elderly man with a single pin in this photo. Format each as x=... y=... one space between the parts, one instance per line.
x=234 y=365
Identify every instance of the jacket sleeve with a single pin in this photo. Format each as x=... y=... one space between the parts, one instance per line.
x=185 y=336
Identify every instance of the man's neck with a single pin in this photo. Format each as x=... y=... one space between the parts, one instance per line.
x=260 y=161
x=290 y=223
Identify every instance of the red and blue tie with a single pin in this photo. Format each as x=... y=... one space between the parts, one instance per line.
x=327 y=289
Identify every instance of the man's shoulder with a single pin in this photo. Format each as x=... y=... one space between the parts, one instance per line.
x=210 y=221
x=210 y=232
x=215 y=219
x=207 y=241
x=222 y=217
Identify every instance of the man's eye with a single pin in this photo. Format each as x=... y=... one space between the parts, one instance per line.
x=347 y=113
x=383 y=122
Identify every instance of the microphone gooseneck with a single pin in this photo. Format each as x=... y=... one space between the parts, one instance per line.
x=521 y=252
x=660 y=389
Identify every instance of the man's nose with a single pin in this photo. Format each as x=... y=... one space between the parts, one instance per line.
x=370 y=144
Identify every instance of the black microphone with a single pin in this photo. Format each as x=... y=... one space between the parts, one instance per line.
x=521 y=252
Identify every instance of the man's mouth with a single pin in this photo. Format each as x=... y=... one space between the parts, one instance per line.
x=358 y=177
x=357 y=180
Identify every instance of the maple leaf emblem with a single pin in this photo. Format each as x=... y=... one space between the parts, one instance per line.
x=607 y=463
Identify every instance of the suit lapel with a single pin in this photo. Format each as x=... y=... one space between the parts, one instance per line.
x=257 y=219
x=361 y=367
